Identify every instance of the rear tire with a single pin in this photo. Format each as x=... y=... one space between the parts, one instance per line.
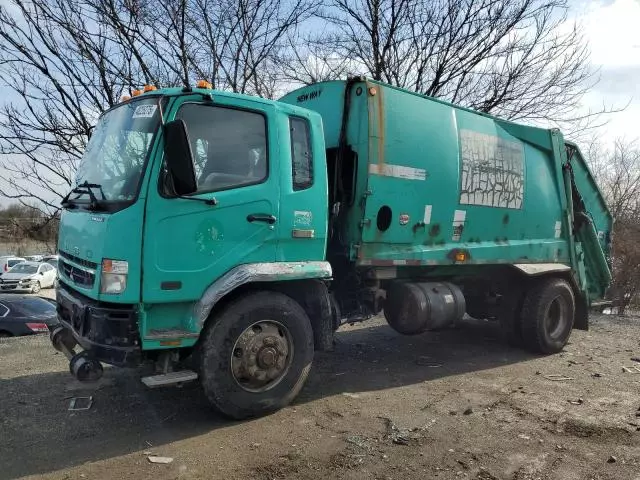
x=548 y=313
x=262 y=333
x=5 y=335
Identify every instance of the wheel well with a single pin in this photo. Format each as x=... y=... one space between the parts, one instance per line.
x=312 y=295
x=6 y=332
x=581 y=320
x=515 y=282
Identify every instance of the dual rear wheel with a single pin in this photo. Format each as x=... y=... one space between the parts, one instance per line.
x=541 y=319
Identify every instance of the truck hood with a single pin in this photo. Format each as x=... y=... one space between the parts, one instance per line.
x=83 y=234
x=86 y=238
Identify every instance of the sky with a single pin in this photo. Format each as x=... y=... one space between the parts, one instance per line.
x=613 y=30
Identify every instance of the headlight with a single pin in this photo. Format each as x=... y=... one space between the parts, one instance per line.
x=113 y=279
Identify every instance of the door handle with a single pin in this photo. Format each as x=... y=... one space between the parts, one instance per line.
x=261 y=217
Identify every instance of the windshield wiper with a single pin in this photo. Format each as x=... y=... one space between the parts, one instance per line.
x=82 y=189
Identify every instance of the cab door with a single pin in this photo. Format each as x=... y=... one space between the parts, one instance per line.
x=303 y=176
x=188 y=244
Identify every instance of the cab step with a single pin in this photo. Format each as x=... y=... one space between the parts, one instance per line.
x=170 y=378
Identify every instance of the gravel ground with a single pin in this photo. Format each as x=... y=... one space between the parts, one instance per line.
x=447 y=405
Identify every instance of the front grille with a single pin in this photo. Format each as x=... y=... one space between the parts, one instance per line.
x=78 y=260
x=77 y=275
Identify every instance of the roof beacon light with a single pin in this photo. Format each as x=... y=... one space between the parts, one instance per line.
x=135 y=93
x=150 y=88
x=204 y=84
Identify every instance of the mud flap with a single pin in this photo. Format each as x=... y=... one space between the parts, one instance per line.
x=581 y=321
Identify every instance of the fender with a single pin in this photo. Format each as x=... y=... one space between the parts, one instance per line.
x=533 y=269
x=256 y=272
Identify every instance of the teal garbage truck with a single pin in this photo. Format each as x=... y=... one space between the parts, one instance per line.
x=223 y=237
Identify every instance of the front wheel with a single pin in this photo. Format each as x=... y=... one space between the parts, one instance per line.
x=547 y=315
x=256 y=355
x=35 y=288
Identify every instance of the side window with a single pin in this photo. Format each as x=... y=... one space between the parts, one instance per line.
x=3 y=310
x=229 y=146
x=301 y=161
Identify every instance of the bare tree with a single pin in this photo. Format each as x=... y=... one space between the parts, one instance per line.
x=308 y=60
x=617 y=172
x=242 y=39
x=66 y=61
x=61 y=75
x=513 y=58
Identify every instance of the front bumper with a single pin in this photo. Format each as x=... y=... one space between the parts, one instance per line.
x=108 y=331
x=16 y=287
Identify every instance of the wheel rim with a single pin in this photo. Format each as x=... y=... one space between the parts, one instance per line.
x=555 y=319
x=36 y=287
x=261 y=356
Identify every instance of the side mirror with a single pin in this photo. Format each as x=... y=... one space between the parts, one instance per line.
x=179 y=158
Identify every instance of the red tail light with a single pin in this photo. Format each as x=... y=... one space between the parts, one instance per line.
x=38 y=327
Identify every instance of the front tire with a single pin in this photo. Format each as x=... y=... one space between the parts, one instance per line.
x=256 y=355
x=548 y=313
x=35 y=288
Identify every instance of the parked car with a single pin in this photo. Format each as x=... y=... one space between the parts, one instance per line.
x=53 y=261
x=29 y=277
x=8 y=261
x=34 y=258
x=25 y=315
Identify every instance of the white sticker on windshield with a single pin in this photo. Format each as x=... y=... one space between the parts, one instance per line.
x=144 y=111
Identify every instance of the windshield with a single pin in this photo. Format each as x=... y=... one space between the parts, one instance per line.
x=24 y=268
x=36 y=306
x=116 y=154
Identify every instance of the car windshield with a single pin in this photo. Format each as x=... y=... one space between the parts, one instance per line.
x=11 y=263
x=116 y=154
x=53 y=263
x=24 y=268
x=35 y=306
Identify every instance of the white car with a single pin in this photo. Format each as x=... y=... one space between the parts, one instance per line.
x=8 y=261
x=28 y=276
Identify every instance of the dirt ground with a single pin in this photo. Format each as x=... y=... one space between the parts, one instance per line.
x=457 y=404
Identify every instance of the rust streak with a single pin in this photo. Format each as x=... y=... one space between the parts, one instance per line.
x=380 y=127
x=371 y=110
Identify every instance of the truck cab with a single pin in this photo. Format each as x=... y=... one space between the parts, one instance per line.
x=143 y=262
